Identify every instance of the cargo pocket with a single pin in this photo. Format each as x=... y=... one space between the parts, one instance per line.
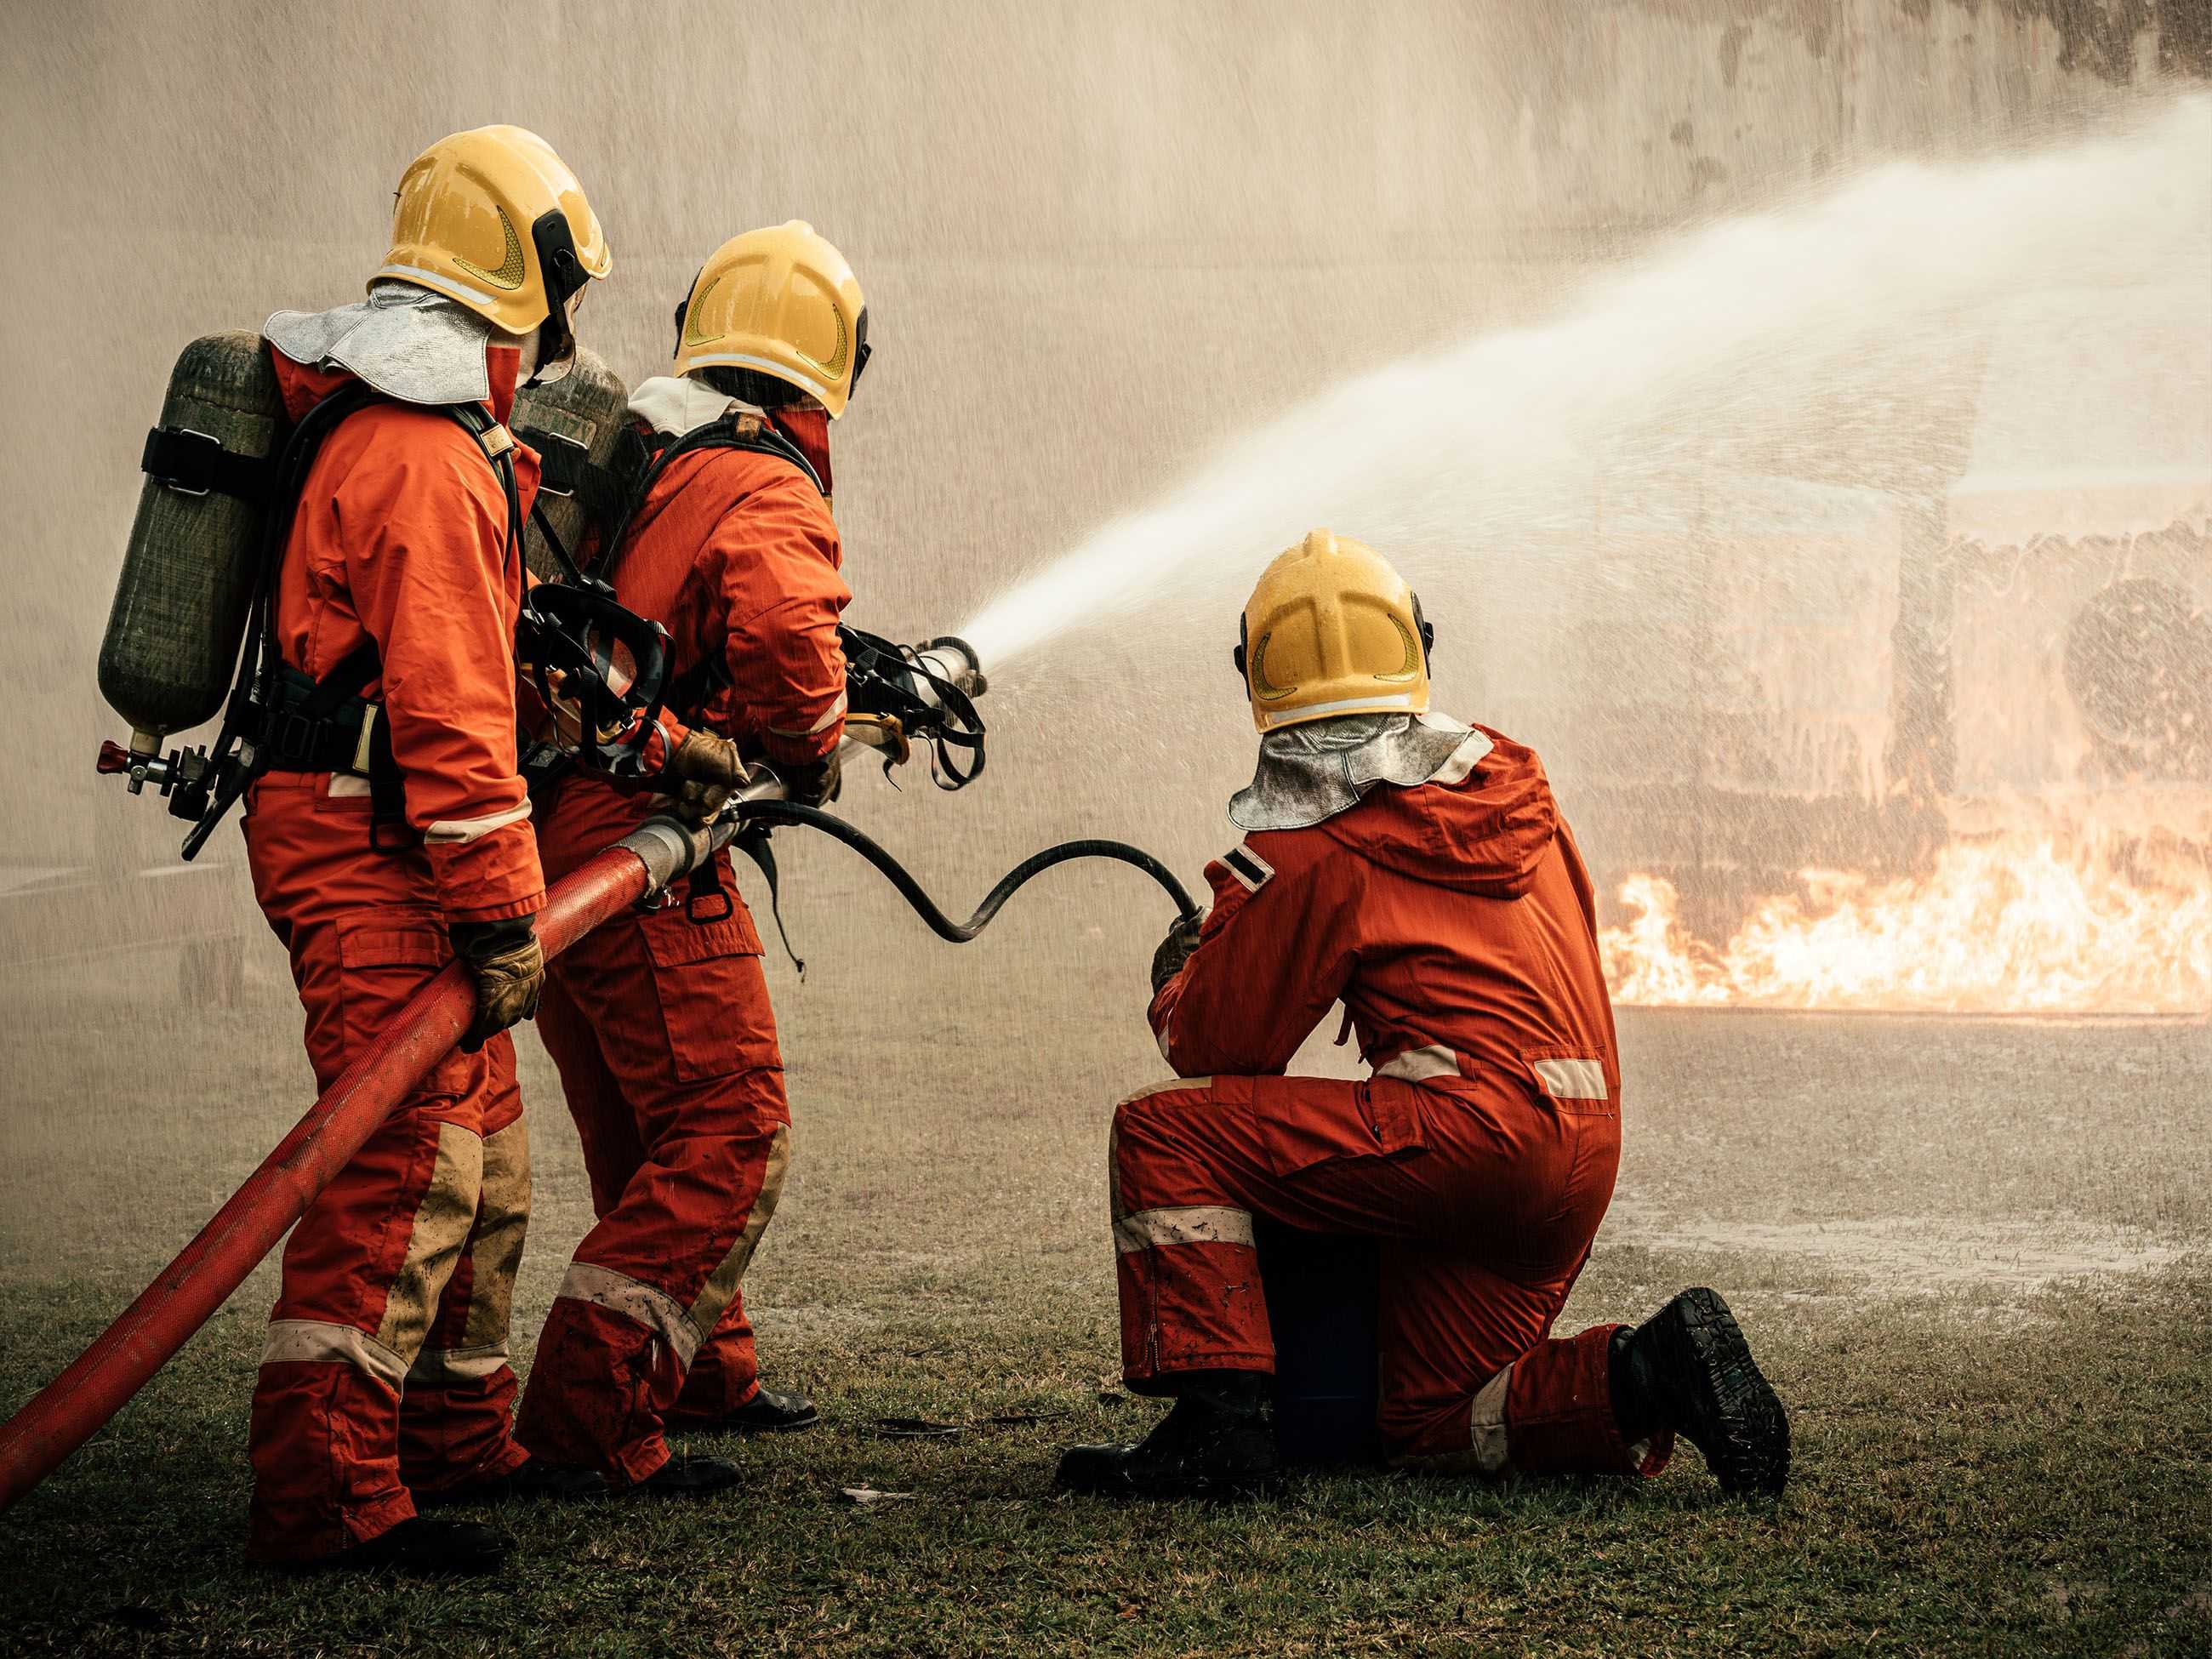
x=712 y=995
x=1304 y=1122
x=385 y=956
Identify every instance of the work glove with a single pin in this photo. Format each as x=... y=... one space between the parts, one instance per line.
x=1175 y=950
x=817 y=782
x=509 y=970
x=705 y=770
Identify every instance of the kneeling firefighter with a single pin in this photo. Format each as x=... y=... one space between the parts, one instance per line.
x=387 y=830
x=659 y=1021
x=1419 y=871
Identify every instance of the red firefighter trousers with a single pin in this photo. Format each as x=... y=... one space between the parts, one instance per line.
x=666 y=1047
x=385 y=1367
x=1486 y=1195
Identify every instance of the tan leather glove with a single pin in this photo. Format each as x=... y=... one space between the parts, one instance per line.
x=509 y=967
x=705 y=770
x=816 y=783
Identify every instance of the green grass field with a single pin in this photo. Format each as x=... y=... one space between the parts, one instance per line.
x=1972 y=1255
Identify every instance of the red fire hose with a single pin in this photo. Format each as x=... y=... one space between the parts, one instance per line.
x=75 y=1405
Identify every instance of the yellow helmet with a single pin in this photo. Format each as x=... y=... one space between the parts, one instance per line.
x=781 y=302
x=493 y=218
x=1331 y=630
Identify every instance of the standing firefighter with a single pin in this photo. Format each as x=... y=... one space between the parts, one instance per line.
x=1420 y=873
x=660 y=1022
x=389 y=832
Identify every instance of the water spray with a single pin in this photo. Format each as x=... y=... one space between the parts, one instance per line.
x=1720 y=334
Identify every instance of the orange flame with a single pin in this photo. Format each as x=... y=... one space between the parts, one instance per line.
x=2018 y=922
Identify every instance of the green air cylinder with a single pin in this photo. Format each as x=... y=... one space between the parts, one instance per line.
x=187 y=582
x=575 y=424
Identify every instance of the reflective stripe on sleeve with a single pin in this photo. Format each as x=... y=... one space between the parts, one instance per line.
x=1572 y=1080
x=1199 y=1224
x=657 y=1310
x=837 y=713
x=315 y=1342
x=452 y=831
x=1252 y=871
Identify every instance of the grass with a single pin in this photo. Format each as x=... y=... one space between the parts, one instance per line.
x=2005 y=1464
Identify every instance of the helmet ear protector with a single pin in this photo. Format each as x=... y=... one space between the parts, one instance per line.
x=564 y=277
x=1428 y=632
x=861 y=350
x=683 y=307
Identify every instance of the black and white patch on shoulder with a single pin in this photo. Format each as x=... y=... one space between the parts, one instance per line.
x=1248 y=866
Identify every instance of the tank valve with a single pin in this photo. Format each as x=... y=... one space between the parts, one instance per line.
x=182 y=769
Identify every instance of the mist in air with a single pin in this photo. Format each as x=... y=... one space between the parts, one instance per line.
x=1768 y=401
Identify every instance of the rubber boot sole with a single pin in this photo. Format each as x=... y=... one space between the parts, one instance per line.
x=1114 y=1471
x=689 y=1477
x=1730 y=1412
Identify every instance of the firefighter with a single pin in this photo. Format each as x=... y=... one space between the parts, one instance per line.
x=659 y=1021
x=1419 y=871
x=389 y=833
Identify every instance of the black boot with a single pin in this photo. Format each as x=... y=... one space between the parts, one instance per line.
x=537 y=1479
x=1687 y=1368
x=766 y=1412
x=690 y=1477
x=421 y=1546
x=1216 y=1443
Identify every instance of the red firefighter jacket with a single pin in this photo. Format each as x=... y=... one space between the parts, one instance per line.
x=1453 y=917
x=401 y=537
x=736 y=552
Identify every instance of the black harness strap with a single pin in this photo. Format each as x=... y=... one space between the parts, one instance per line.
x=688 y=692
x=752 y=841
x=565 y=468
x=277 y=719
x=193 y=463
x=746 y=432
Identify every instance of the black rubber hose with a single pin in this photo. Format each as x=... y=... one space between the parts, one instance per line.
x=784 y=811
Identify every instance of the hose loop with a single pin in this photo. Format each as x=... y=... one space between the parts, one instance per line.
x=784 y=811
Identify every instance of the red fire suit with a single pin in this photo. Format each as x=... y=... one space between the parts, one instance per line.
x=661 y=1027
x=1455 y=922
x=385 y=1367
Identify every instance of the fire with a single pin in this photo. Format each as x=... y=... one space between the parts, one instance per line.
x=2017 y=922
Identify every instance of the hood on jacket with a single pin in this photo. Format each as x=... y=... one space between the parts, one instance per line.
x=1483 y=834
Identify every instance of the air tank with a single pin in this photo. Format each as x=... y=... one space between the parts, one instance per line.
x=187 y=581
x=580 y=417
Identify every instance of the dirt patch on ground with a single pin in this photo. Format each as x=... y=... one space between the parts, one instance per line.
x=1912 y=1255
